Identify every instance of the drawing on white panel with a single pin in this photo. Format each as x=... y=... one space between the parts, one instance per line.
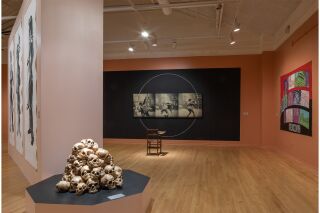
x=18 y=89
x=11 y=93
x=30 y=82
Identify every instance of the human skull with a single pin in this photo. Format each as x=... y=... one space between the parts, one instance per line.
x=85 y=173
x=77 y=167
x=117 y=169
x=111 y=185
x=93 y=185
x=109 y=169
x=107 y=181
x=84 y=153
x=74 y=183
x=102 y=153
x=67 y=177
x=102 y=173
x=77 y=147
x=109 y=160
x=92 y=145
x=119 y=181
x=117 y=172
x=84 y=142
x=71 y=158
x=89 y=143
x=94 y=161
x=96 y=172
x=81 y=188
x=83 y=162
x=63 y=186
x=68 y=169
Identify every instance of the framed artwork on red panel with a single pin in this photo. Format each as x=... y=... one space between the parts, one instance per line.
x=296 y=100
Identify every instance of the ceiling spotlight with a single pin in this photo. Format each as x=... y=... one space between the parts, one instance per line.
x=232 y=41
x=154 y=42
x=131 y=48
x=144 y=34
x=236 y=25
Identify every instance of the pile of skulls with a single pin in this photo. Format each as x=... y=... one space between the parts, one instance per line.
x=89 y=168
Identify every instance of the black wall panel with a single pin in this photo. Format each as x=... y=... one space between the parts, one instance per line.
x=220 y=89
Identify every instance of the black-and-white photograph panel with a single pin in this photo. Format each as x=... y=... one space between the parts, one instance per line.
x=143 y=105
x=30 y=84
x=11 y=93
x=190 y=105
x=166 y=105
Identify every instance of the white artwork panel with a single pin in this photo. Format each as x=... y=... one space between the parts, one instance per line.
x=11 y=78
x=18 y=89
x=30 y=84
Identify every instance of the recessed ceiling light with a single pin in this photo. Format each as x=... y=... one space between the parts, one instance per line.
x=236 y=25
x=144 y=34
x=131 y=48
x=153 y=40
x=232 y=41
x=236 y=29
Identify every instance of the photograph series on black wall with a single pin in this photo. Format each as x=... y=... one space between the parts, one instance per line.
x=196 y=104
x=167 y=105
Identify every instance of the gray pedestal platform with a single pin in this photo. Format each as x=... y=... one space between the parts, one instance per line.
x=133 y=197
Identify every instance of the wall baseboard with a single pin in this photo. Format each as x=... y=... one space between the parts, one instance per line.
x=179 y=142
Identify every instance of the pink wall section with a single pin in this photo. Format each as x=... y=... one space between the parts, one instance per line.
x=299 y=49
x=267 y=68
x=71 y=78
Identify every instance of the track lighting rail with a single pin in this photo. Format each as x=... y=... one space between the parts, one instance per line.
x=148 y=7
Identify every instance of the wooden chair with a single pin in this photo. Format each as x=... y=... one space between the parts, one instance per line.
x=154 y=142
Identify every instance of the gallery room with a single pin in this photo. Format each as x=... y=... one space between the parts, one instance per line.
x=160 y=106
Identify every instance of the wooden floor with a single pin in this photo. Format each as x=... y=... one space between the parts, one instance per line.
x=203 y=179
x=13 y=185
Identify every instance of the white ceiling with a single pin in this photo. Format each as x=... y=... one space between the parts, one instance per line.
x=263 y=24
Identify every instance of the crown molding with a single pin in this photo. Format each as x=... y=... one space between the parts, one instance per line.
x=303 y=12
x=183 y=53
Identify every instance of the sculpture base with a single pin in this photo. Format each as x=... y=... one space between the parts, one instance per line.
x=133 y=197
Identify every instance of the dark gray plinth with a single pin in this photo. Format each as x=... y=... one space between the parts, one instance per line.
x=45 y=191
